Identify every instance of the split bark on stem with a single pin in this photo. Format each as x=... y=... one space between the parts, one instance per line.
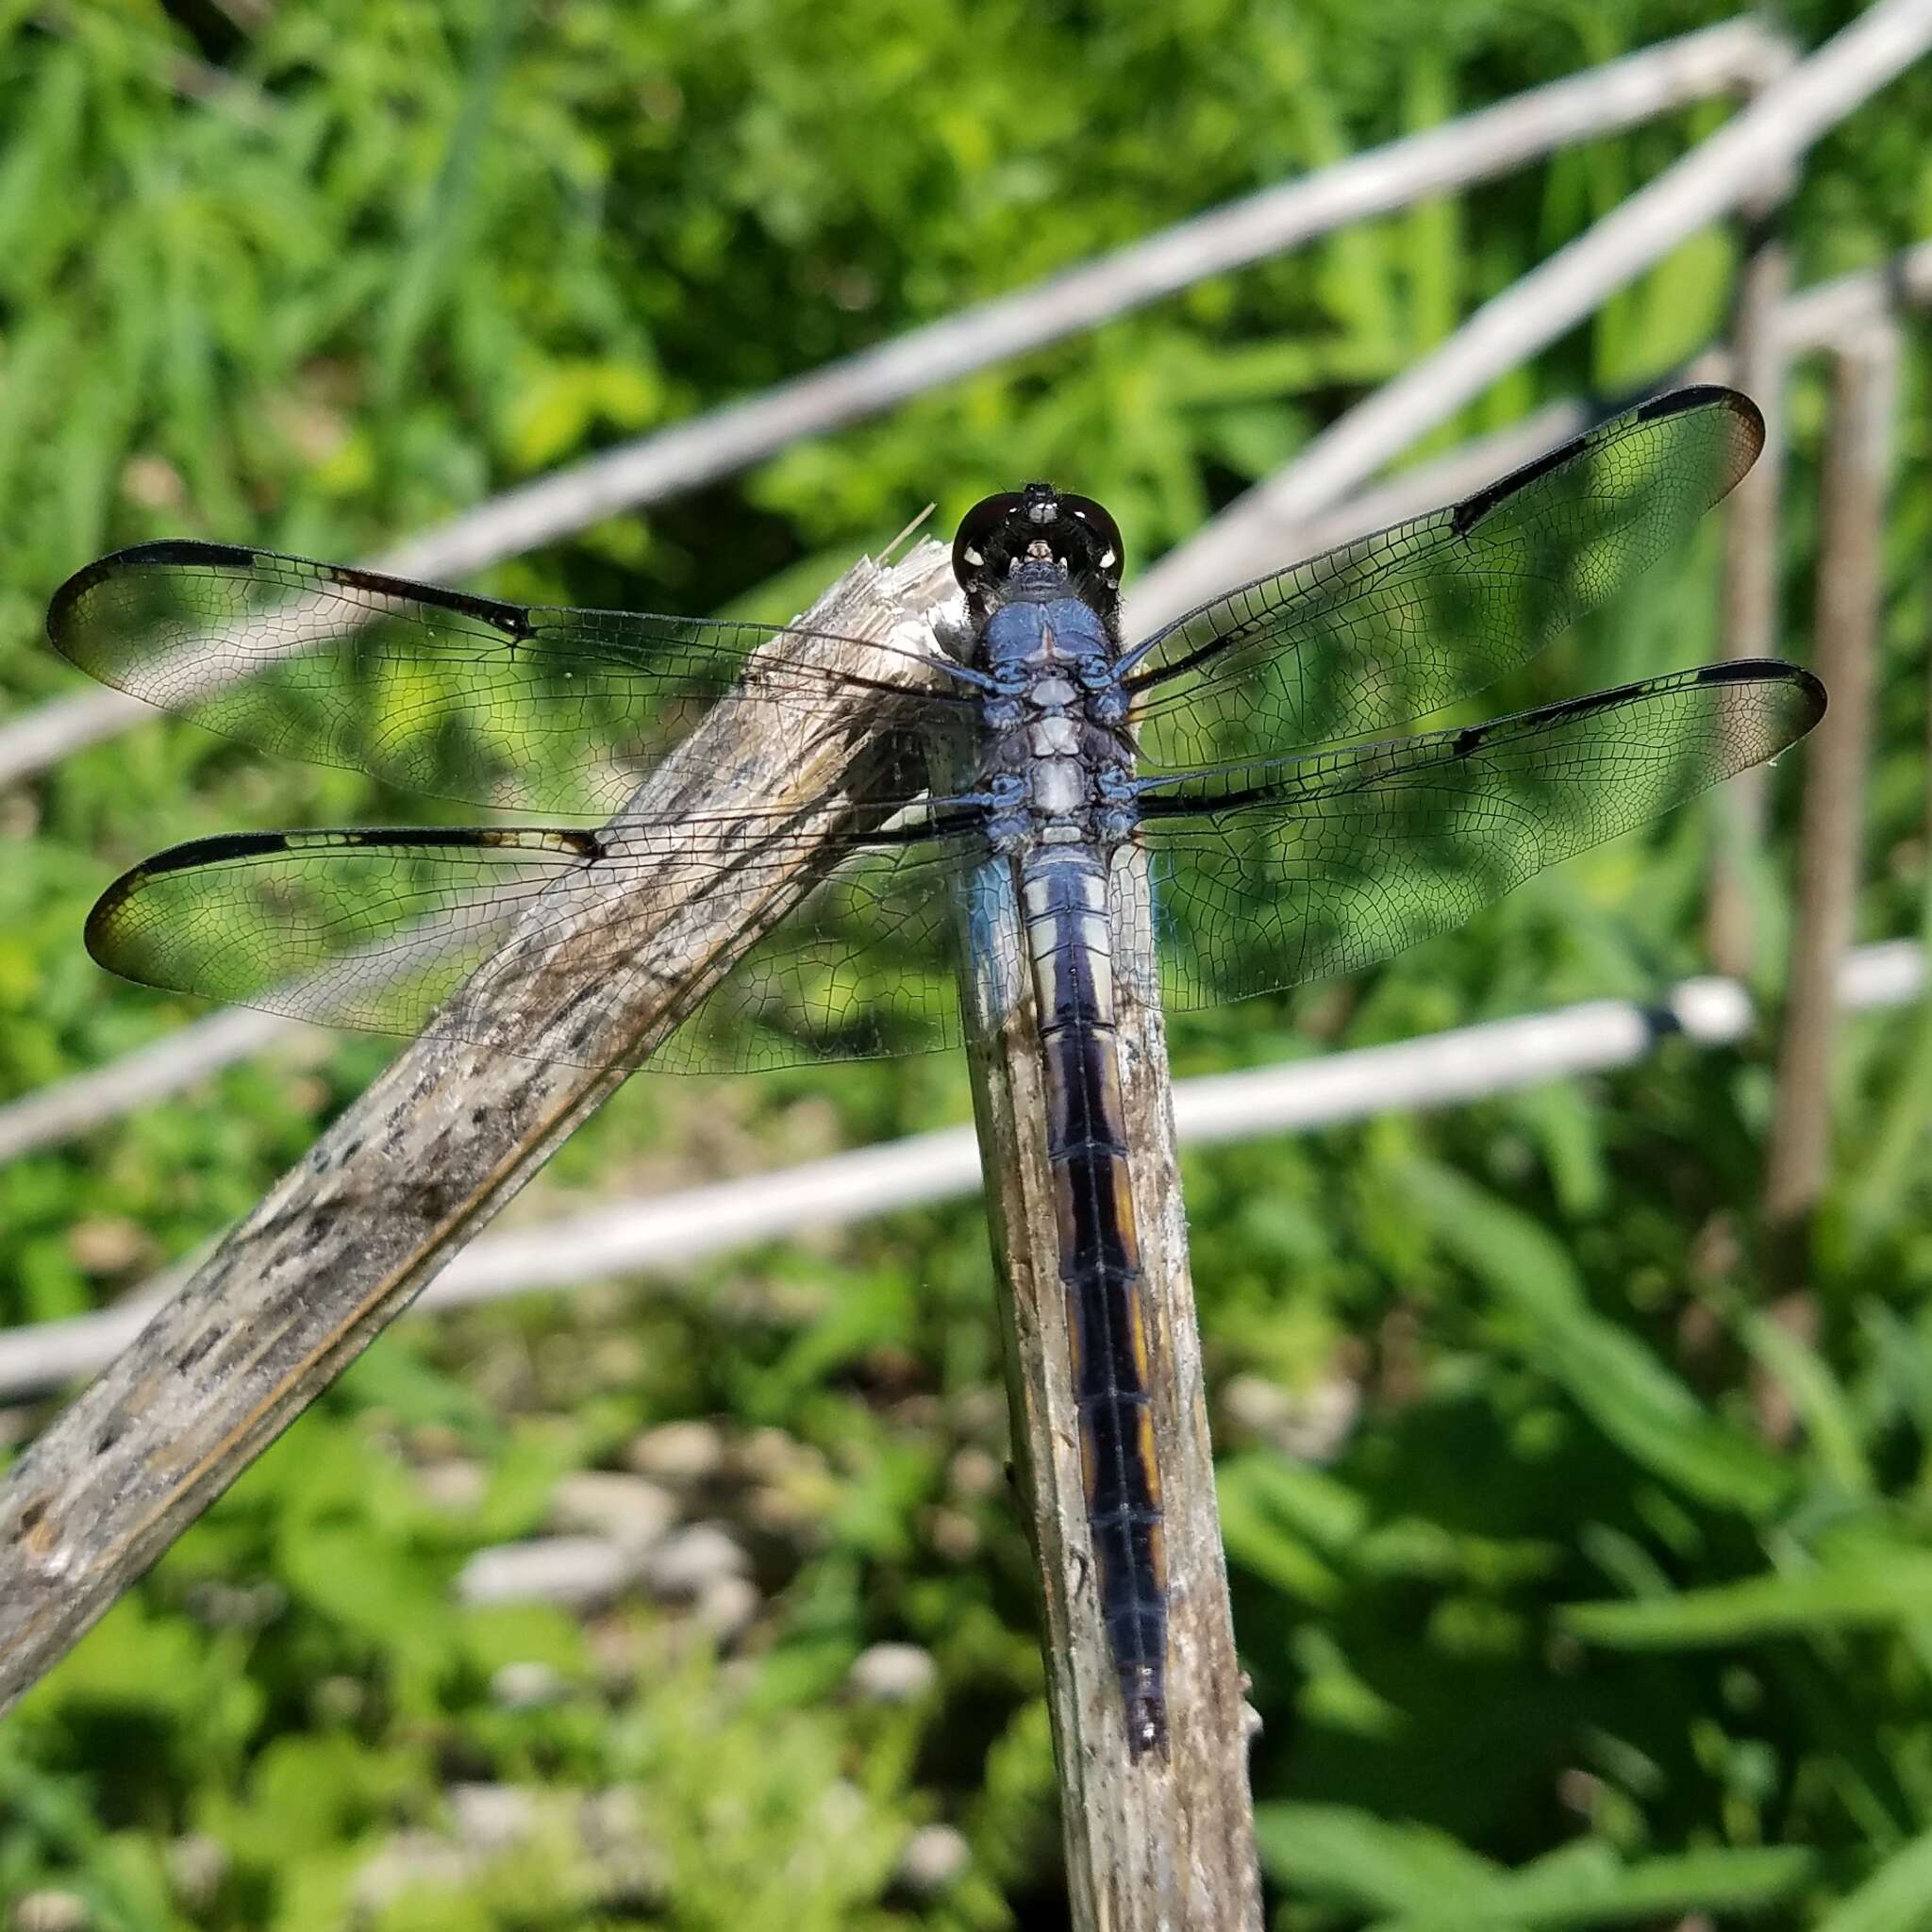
x=346 y=1240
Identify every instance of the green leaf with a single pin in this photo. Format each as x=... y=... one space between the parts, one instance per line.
x=1830 y=1426
x=1354 y=1857
x=1434 y=1884
x=1609 y=1375
x=1588 y=1885
x=1896 y=1898
x=1283 y=1520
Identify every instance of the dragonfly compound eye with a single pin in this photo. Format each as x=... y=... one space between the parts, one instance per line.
x=1107 y=554
x=985 y=535
x=1037 y=524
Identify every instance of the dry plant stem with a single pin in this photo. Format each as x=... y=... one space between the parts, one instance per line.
x=1582 y=106
x=1808 y=322
x=1828 y=312
x=1150 y=1846
x=1850 y=586
x=1726 y=172
x=71 y=1106
x=1749 y=619
x=665 y=1234
x=423 y=1159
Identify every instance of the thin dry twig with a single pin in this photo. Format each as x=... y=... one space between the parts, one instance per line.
x=722 y=441
x=1828 y=312
x=433 y=1149
x=1851 y=586
x=672 y=1231
x=1721 y=174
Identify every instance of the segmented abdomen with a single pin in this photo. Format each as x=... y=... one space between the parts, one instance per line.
x=1071 y=955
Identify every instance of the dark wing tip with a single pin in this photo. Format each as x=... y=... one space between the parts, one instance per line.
x=164 y=551
x=1805 y=688
x=181 y=550
x=103 y=941
x=177 y=553
x=1713 y=395
x=1700 y=395
x=1466 y=515
x=108 y=945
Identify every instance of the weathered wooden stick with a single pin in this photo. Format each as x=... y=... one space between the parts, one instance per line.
x=437 y=1143
x=1150 y=1846
x=1850 y=584
x=664 y=1234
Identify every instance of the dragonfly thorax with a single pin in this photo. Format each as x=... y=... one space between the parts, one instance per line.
x=1056 y=758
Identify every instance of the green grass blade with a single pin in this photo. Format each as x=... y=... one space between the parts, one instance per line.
x=1878 y=1586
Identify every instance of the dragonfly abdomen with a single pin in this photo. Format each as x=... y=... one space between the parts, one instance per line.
x=1070 y=951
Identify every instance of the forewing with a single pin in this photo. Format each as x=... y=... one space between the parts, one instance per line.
x=522 y=708
x=1393 y=626
x=405 y=932
x=1295 y=868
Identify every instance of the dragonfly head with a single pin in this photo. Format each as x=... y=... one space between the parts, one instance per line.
x=1039 y=541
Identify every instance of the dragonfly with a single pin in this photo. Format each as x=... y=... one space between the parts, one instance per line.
x=1250 y=759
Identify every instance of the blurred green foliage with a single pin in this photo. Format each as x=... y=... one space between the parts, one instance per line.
x=1611 y=1601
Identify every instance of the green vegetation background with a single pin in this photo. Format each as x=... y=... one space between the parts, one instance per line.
x=1606 y=1598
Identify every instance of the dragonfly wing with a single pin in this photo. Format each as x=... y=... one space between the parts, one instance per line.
x=407 y=932
x=1393 y=626
x=437 y=691
x=1293 y=869
x=866 y=967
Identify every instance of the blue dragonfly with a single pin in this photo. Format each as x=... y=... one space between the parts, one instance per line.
x=1238 y=757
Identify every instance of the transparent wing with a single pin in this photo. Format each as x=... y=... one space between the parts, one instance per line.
x=404 y=932
x=1392 y=627
x=524 y=708
x=1292 y=869
x=867 y=967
